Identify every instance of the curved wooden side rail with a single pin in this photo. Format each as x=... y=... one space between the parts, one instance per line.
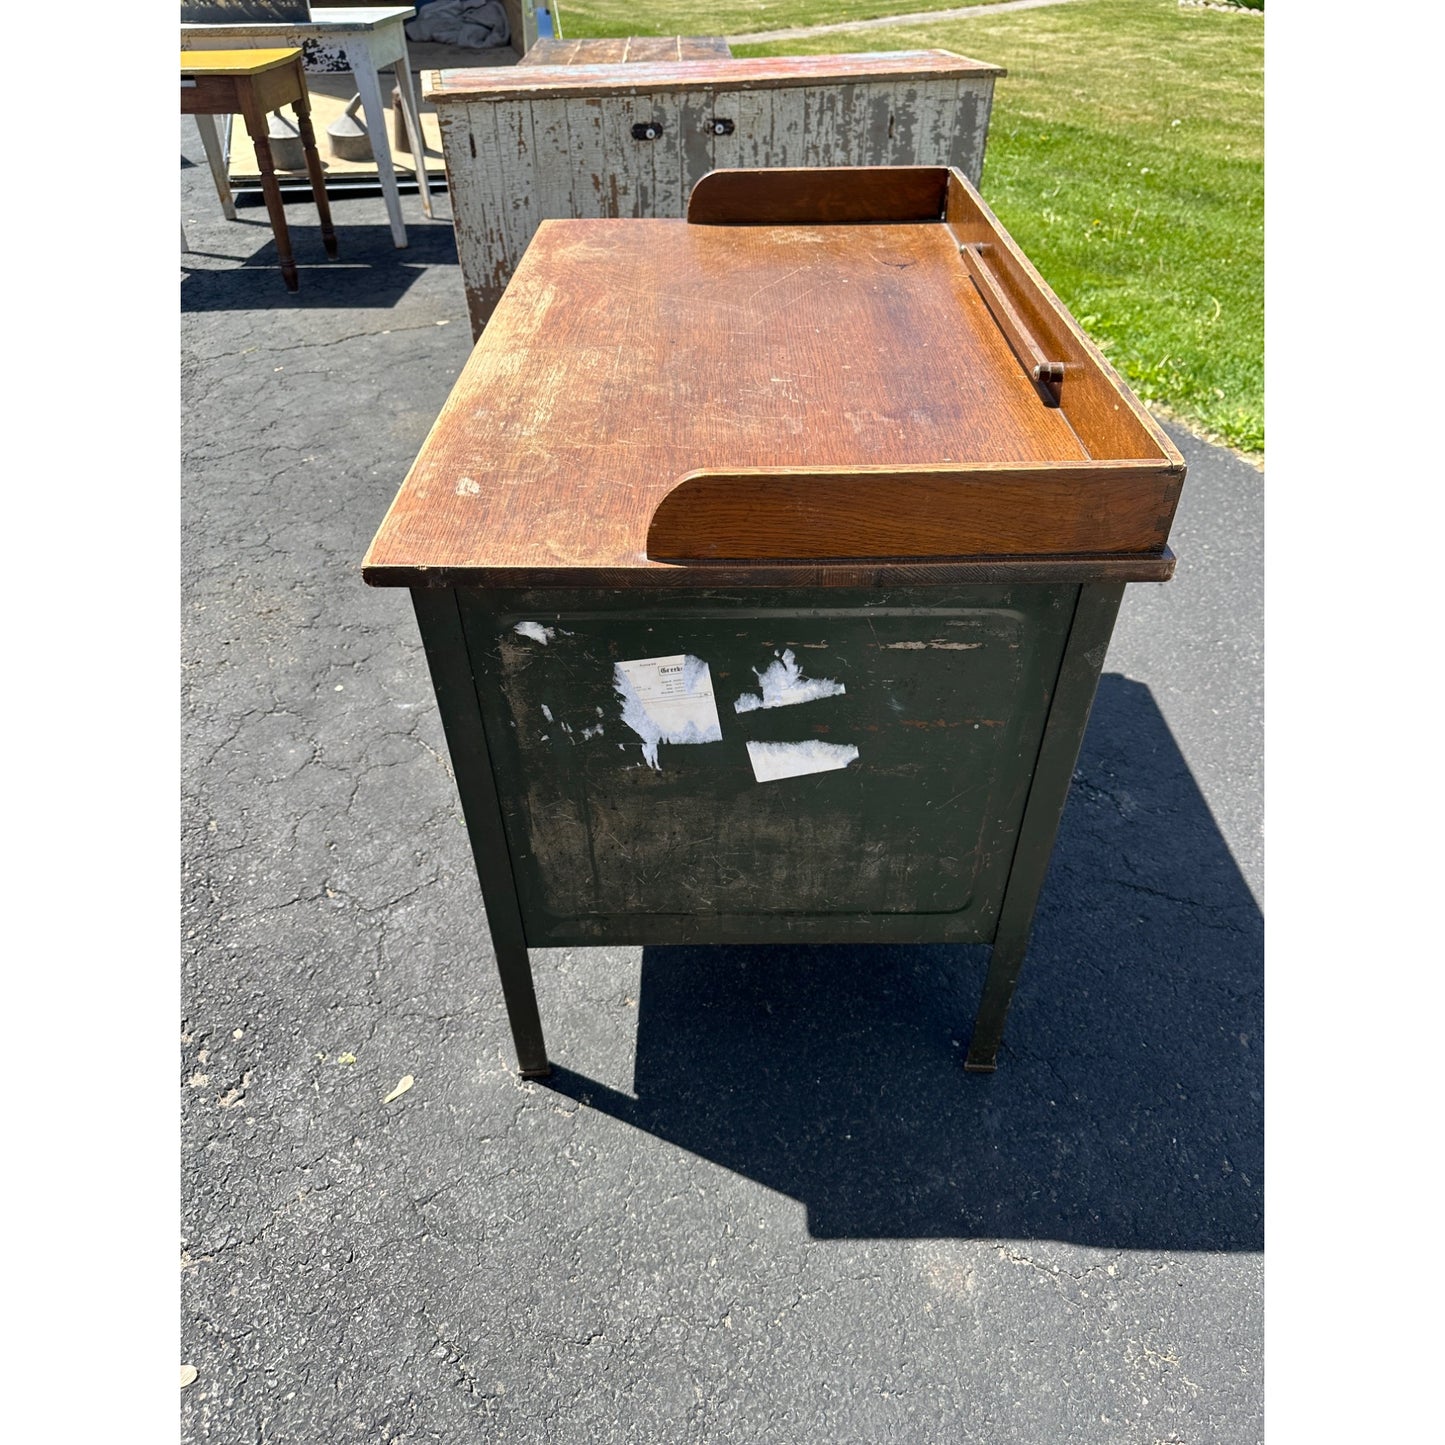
x=790 y=513
x=818 y=195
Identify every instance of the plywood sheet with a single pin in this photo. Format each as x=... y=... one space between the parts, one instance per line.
x=324 y=110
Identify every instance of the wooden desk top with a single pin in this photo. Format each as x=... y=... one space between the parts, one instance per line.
x=234 y=62
x=843 y=390
x=730 y=73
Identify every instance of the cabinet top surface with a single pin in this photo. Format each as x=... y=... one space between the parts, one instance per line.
x=731 y=72
x=628 y=353
x=628 y=49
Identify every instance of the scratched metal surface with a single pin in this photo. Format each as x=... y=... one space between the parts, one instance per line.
x=943 y=695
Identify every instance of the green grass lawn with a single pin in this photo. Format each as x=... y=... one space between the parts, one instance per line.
x=1126 y=156
x=581 y=18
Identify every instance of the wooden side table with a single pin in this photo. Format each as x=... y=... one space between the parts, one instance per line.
x=361 y=40
x=253 y=83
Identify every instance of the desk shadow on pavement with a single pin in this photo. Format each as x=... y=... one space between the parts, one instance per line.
x=1127 y=1111
x=370 y=272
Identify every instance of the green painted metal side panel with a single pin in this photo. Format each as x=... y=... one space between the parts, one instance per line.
x=618 y=836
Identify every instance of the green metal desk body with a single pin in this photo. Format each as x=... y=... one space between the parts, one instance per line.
x=966 y=705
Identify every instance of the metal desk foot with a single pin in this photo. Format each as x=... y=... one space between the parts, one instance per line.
x=521 y=999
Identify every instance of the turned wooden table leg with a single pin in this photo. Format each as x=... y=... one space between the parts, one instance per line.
x=256 y=125
x=302 y=107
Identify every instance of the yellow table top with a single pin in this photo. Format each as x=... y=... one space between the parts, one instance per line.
x=234 y=62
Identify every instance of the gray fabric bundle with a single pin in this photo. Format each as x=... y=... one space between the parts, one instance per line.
x=473 y=24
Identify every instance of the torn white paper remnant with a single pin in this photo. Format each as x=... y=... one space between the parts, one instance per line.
x=783 y=684
x=536 y=632
x=791 y=760
x=667 y=700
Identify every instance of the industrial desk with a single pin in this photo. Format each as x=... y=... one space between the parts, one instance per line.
x=765 y=564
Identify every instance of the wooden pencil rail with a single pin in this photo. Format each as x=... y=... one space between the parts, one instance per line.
x=1048 y=375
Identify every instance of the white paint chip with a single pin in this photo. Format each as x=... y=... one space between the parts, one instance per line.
x=667 y=700
x=792 y=760
x=937 y=643
x=783 y=685
x=536 y=632
x=466 y=487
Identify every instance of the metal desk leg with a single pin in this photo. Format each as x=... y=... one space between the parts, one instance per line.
x=439 y=618
x=358 y=53
x=412 y=116
x=515 y=972
x=211 y=140
x=1083 y=660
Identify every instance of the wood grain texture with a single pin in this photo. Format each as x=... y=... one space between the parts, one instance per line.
x=446 y=87
x=585 y=160
x=885 y=512
x=632 y=50
x=1049 y=375
x=627 y=355
x=781 y=196
x=1105 y=415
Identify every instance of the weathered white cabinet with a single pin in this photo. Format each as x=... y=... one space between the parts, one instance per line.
x=533 y=143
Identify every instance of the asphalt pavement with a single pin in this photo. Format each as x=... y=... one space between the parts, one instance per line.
x=760 y=1200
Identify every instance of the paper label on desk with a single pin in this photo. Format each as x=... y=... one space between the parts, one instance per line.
x=772 y=761
x=667 y=700
x=783 y=685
